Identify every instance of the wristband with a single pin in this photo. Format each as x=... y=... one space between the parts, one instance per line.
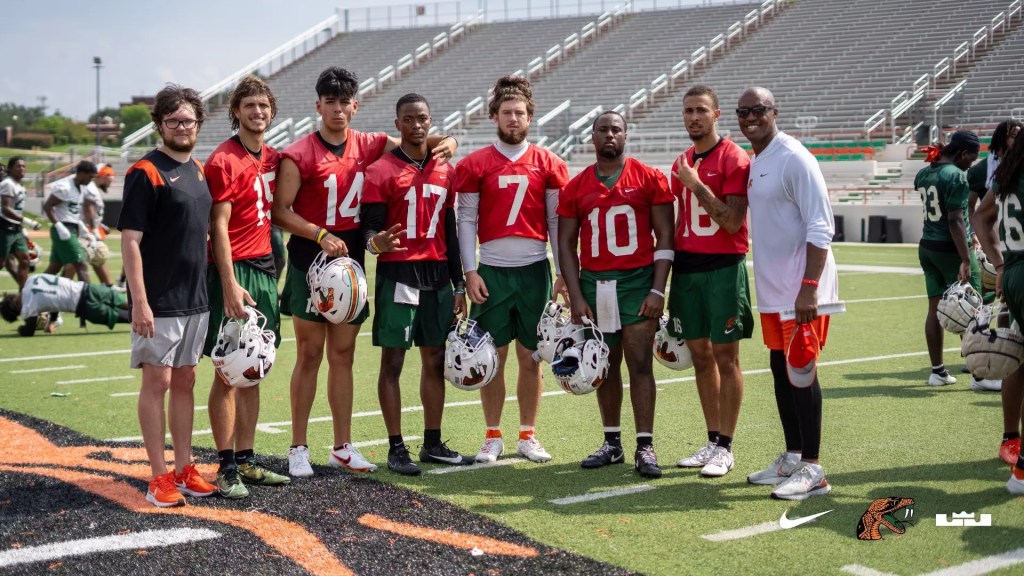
x=664 y=255
x=320 y=233
x=657 y=292
x=809 y=282
x=374 y=249
x=460 y=292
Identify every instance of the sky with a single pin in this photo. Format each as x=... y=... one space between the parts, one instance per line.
x=49 y=45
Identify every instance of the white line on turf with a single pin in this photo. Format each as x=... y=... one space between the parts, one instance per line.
x=50 y=369
x=477 y=466
x=972 y=568
x=124 y=394
x=601 y=495
x=134 y=541
x=748 y=531
x=87 y=380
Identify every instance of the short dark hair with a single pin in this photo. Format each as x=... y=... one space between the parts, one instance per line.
x=14 y=160
x=337 y=82
x=703 y=90
x=609 y=113
x=411 y=98
x=8 y=310
x=1001 y=134
x=251 y=85
x=86 y=167
x=171 y=98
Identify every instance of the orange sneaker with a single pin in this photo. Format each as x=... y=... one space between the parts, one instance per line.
x=1009 y=450
x=191 y=483
x=163 y=493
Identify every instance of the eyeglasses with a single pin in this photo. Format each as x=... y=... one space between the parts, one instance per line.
x=758 y=111
x=174 y=123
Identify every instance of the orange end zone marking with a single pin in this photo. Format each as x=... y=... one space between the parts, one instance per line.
x=449 y=537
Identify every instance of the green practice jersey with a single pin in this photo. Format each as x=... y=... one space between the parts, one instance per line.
x=943 y=188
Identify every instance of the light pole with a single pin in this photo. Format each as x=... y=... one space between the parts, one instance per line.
x=97 y=63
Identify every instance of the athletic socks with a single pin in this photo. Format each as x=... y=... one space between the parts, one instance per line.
x=644 y=439
x=613 y=435
x=395 y=442
x=940 y=370
x=431 y=437
x=243 y=456
x=725 y=442
x=713 y=436
x=525 y=432
x=493 y=432
x=1010 y=436
x=226 y=459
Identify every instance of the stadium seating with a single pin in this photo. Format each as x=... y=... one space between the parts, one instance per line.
x=994 y=86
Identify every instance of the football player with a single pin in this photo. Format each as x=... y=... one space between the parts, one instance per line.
x=240 y=174
x=508 y=193
x=1006 y=206
x=320 y=181
x=709 y=306
x=618 y=212
x=92 y=213
x=408 y=218
x=49 y=294
x=63 y=207
x=12 y=238
x=944 y=250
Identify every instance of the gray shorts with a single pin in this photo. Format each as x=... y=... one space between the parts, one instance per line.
x=177 y=341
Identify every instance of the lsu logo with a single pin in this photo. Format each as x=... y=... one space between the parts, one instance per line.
x=884 y=512
x=326 y=301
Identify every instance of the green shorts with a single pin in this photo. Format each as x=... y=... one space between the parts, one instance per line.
x=295 y=299
x=631 y=288
x=400 y=325
x=515 y=302
x=12 y=243
x=260 y=285
x=713 y=304
x=66 y=251
x=100 y=304
x=1013 y=290
x=941 y=269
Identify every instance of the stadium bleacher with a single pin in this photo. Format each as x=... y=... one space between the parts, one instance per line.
x=993 y=89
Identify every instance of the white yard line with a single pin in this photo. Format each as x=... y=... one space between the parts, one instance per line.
x=477 y=466
x=746 y=532
x=973 y=568
x=87 y=380
x=134 y=541
x=602 y=495
x=858 y=570
x=50 y=369
x=124 y=394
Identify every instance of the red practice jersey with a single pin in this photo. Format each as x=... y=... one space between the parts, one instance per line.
x=512 y=193
x=615 y=225
x=332 y=185
x=235 y=176
x=725 y=171
x=416 y=200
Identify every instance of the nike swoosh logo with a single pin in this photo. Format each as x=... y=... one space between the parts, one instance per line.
x=763 y=175
x=175 y=179
x=448 y=459
x=786 y=523
x=730 y=330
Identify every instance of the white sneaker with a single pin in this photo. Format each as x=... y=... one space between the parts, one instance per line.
x=986 y=385
x=719 y=465
x=806 y=481
x=491 y=450
x=699 y=458
x=940 y=379
x=532 y=450
x=777 y=471
x=349 y=457
x=1015 y=485
x=298 y=462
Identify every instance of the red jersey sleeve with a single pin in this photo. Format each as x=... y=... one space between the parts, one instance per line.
x=375 y=185
x=675 y=186
x=737 y=171
x=558 y=175
x=657 y=186
x=467 y=178
x=375 y=143
x=567 y=198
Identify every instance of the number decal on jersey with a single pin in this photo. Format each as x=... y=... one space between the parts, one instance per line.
x=522 y=183
x=1010 y=223
x=349 y=204
x=697 y=215
x=263 y=191
x=611 y=239
x=46 y=279
x=411 y=227
x=930 y=200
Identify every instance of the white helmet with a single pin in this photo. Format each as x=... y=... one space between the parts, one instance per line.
x=553 y=323
x=989 y=350
x=34 y=252
x=581 y=363
x=958 y=306
x=988 y=271
x=244 y=352
x=96 y=252
x=470 y=357
x=669 y=351
x=337 y=287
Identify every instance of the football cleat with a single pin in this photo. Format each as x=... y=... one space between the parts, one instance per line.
x=470 y=358
x=669 y=351
x=337 y=288
x=581 y=362
x=553 y=324
x=990 y=351
x=805 y=481
x=958 y=306
x=244 y=352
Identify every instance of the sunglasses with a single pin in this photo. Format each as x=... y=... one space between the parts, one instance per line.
x=758 y=111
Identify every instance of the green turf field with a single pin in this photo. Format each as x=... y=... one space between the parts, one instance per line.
x=885 y=433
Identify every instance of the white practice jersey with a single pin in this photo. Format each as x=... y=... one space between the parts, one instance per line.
x=16 y=192
x=69 y=209
x=49 y=293
x=94 y=194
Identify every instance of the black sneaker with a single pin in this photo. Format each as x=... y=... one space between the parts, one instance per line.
x=603 y=456
x=646 y=463
x=441 y=454
x=399 y=461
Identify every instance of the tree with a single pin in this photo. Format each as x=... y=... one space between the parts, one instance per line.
x=134 y=117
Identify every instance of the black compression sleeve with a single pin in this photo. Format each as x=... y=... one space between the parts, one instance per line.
x=373 y=217
x=451 y=236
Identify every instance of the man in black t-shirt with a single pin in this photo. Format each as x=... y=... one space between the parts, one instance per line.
x=164 y=224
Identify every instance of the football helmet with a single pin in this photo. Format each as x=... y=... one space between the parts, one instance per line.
x=33 y=254
x=988 y=271
x=669 y=351
x=958 y=306
x=553 y=322
x=96 y=252
x=337 y=287
x=244 y=352
x=990 y=349
x=470 y=357
x=581 y=362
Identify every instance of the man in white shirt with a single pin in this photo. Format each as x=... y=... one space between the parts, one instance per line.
x=92 y=217
x=46 y=295
x=64 y=208
x=792 y=229
x=12 y=240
